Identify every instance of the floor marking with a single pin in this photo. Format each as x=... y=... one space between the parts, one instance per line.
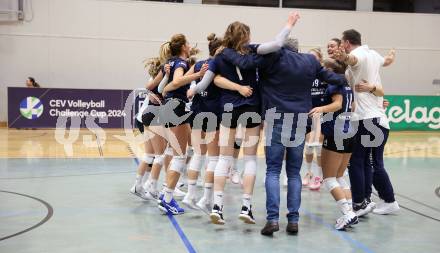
x=44 y=220
x=173 y=221
x=418 y=202
x=341 y=234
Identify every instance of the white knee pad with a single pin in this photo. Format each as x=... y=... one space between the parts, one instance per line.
x=331 y=183
x=223 y=165
x=189 y=151
x=197 y=162
x=169 y=151
x=343 y=183
x=158 y=159
x=212 y=163
x=308 y=149
x=318 y=150
x=148 y=158
x=250 y=165
x=178 y=163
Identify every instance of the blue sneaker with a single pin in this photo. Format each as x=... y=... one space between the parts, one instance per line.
x=171 y=208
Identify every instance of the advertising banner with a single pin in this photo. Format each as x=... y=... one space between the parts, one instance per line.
x=414 y=113
x=42 y=107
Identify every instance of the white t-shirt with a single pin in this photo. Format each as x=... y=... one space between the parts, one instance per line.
x=366 y=104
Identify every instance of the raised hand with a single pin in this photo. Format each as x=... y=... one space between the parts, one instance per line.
x=340 y=54
x=292 y=18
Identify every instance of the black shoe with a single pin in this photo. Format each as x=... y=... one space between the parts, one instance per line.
x=217 y=215
x=246 y=215
x=292 y=228
x=270 y=228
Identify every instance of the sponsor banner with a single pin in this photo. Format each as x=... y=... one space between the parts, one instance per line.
x=41 y=107
x=414 y=113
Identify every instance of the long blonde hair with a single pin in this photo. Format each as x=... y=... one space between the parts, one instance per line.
x=237 y=36
x=154 y=64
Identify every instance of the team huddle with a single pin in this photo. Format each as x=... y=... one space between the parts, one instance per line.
x=199 y=115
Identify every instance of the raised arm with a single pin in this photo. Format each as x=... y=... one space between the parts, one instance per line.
x=342 y=56
x=278 y=43
x=389 y=58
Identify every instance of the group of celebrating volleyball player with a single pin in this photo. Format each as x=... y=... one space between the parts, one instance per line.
x=199 y=114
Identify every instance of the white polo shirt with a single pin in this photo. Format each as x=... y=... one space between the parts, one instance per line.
x=366 y=104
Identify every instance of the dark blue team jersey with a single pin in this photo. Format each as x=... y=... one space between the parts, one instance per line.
x=318 y=93
x=341 y=118
x=240 y=76
x=179 y=93
x=208 y=100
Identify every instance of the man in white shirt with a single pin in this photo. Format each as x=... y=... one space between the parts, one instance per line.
x=366 y=163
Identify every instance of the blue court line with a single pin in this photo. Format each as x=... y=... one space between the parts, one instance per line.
x=177 y=227
x=341 y=234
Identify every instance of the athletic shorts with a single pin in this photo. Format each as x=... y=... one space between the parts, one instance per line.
x=329 y=144
x=151 y=116
x=213 y=126
x=178 y=116
x=246 y=123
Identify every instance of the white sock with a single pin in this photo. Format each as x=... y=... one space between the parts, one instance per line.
x=218 y=198
x=247 y=200
x=139 y=180
x=350 y=203
x=207 y=193
x=168 y=195
x=309 y=167
x=151 y=185
x=344 y=206
x=234 y=164
x=145 y=178
x=317 y=171
x=192 y=187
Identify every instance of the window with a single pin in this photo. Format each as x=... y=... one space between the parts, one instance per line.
x=411 y=6
x=265 y=3
x=321 y=4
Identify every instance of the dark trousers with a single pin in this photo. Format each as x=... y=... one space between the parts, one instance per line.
x=367 y=166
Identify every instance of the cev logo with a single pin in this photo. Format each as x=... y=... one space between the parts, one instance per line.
x=31 y=108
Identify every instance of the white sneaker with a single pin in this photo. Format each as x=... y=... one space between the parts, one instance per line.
x=346 y=220
x=386 y=208
x=139 y=191
x=152 y=195
x=362 y=210
x=178 y=193
x=235 y=176
x=307 y=179
x=372 y=205
x=189 y=202
x=204 y=205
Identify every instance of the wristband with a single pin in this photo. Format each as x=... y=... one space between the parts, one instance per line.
x=373 y=90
